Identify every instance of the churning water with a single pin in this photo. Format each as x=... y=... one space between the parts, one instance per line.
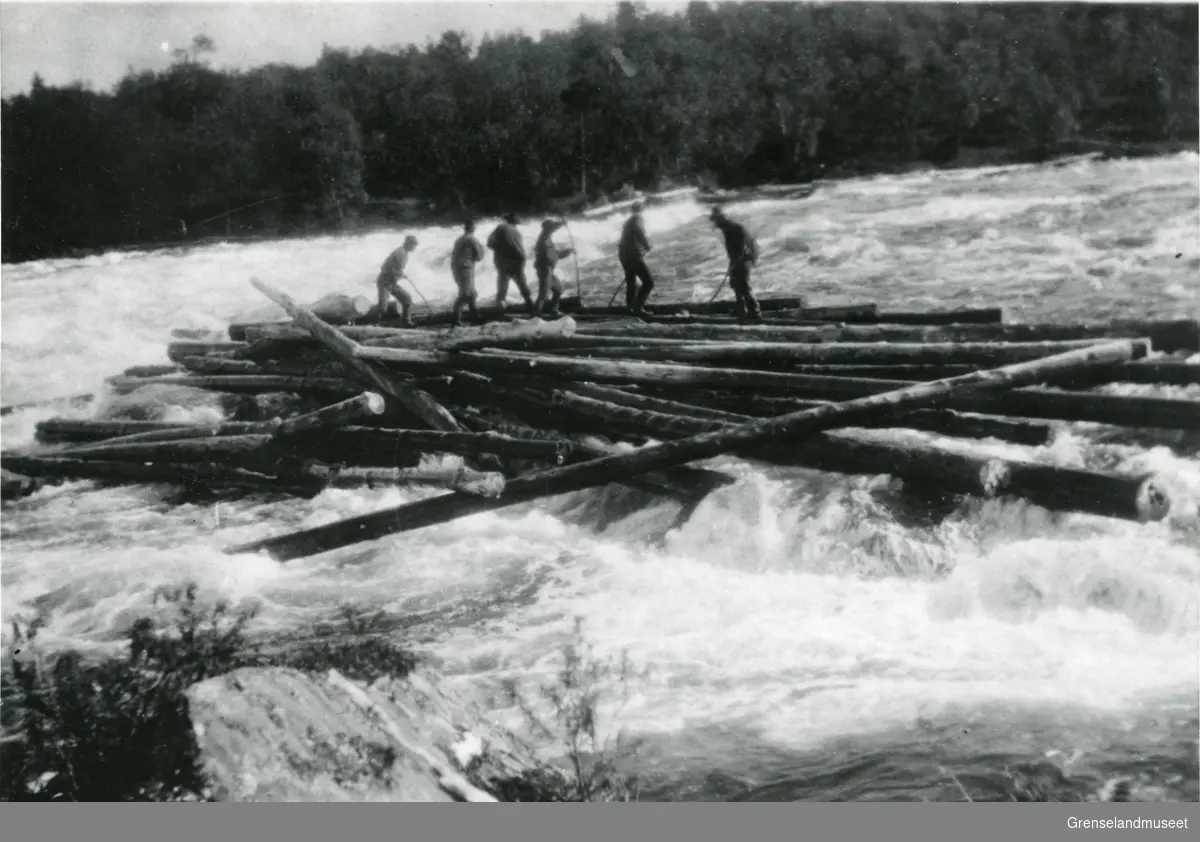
x=800 y=636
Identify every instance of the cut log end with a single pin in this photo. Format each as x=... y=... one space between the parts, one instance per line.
x=373 y=403
x=1152 y=501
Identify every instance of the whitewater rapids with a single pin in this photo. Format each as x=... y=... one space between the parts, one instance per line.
x=800 y=636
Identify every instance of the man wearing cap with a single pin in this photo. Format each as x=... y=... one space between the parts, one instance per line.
x=742 y=250
x=545 y=257
x=508 y=252
x=388 y=282
x=632 y=253
x=466 y=253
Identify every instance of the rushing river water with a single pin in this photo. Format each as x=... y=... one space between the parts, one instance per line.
x=797 y=637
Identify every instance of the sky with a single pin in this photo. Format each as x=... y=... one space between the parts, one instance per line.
x=96 y=42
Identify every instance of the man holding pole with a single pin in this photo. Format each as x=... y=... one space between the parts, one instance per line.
x=545 y=257
x=388 y=282
x=466 y=253
x=632 y=253
x=508 y=252
x=742 y=250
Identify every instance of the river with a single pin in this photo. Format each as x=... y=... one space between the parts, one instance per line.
x=797 y=637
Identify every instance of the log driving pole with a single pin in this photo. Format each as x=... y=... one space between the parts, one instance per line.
x=702 y=446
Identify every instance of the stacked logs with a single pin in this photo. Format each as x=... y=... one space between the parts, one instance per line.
x=537 y=408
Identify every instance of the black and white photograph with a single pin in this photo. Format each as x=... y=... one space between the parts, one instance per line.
x=461 y=401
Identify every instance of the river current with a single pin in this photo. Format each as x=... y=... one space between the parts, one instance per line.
x=796 y=637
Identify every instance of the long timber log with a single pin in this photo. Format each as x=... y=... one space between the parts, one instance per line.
x=366 y=446
x=71 y=431
x=239 y=450
x=1054 y=488
x=511 y=334
x=240 y=331
x=1121 y=410
x=377 y=440
x=419 y=403
x=177 y=351
x=632 y=399
x=136 y=473
x=59 y=430
x=707 y=308
x=489 y=484
x=843 y=313
x=251 y=384
x=941 y=421
x=752 y=354
x=1166 y=336
x=701 y=446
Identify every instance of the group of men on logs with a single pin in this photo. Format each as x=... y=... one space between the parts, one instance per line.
x=509 y=256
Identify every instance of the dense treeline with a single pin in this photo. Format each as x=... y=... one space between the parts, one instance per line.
x=730 y=94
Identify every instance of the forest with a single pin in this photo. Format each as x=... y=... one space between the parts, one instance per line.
x=718 y=94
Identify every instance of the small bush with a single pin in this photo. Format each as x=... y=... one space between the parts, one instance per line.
x=117 y=729
x=592 y=765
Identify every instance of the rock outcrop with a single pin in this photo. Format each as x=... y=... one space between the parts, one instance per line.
x=278 y=734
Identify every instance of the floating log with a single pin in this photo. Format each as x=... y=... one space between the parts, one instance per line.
x=1166 y=336
x=371 y=441
x=1060 y=489
x=177 y=351
x=224 y=365
x=240 y=383
x=706 y=308
x=68 y=430
x=515 y=333
x=1139 y=498
x=702 y=446
x=863 y=315
x=1149 y=372
x=489 y=484
x=198 y=334
x=135 y=473
x=237 y=331
x=752 y=354
x=621 y=397
x=365 y=405
x=1120 y=410
x=150 y=370
x=249 y=448
x=940 y=421
x=419 y=403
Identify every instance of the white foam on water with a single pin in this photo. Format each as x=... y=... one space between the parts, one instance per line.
x=794 y=603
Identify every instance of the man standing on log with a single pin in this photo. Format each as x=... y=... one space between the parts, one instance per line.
x=632 y=253
x=508 y=252
x=466 y=253
x=545 y=257
x=742 y=250
x=388 y=282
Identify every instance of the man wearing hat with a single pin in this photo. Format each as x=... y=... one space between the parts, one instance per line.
x=545 y=257
x=631 y=251
x=388 y=282
x=742 y=250
x=508 y=252
x=466 y=253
